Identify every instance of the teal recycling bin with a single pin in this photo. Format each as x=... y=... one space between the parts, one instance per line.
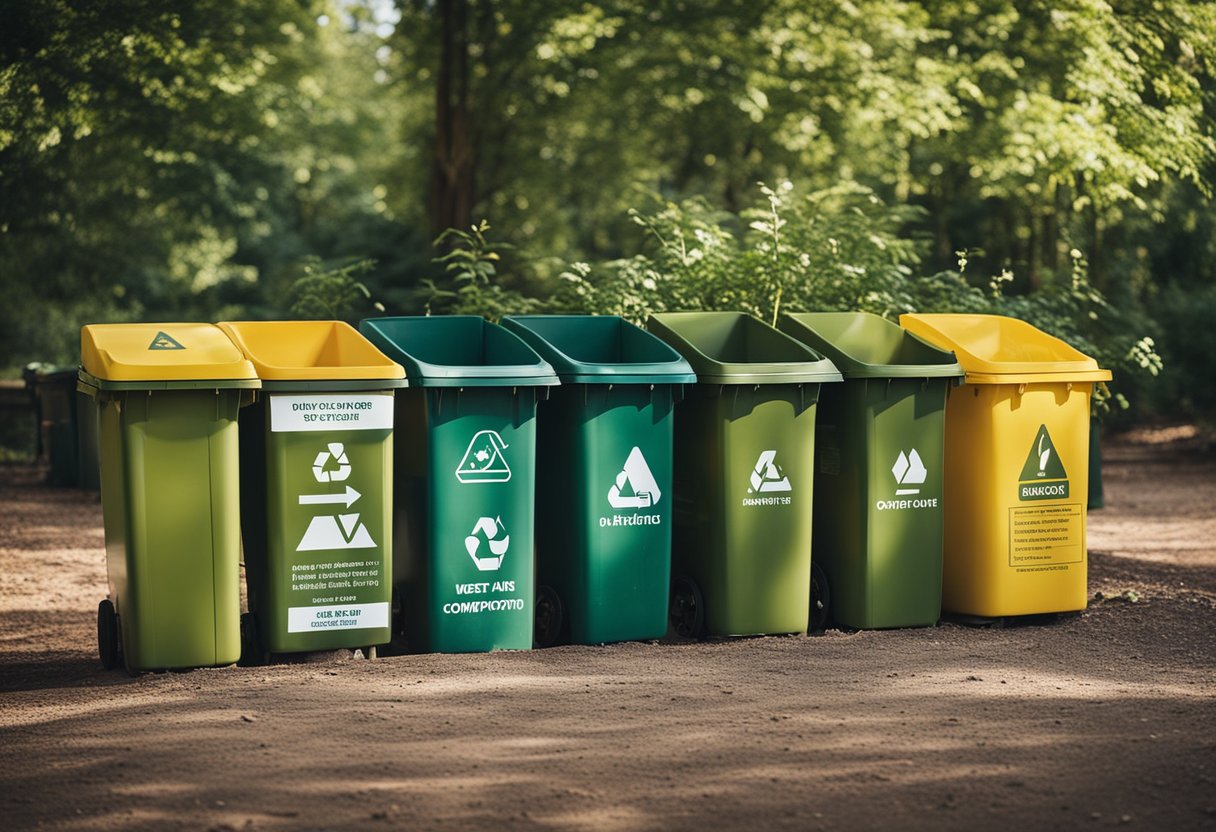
x=464 y=475
x=604 y=456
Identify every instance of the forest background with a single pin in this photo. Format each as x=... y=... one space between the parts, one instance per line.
x=233 y=159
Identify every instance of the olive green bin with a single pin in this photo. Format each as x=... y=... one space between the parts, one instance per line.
x=167 y=398
x=316 y=488
x=744 y=464
x=879 y=444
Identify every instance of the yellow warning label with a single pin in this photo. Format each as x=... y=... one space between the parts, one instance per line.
x=1047 y=535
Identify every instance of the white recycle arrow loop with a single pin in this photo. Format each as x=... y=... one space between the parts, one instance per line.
x=337 y=451
x=488 y=527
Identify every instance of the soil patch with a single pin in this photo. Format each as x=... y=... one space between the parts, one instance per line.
x=1102 y=719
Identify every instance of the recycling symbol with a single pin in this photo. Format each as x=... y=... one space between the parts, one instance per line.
x=337 y=452
x=488 y=528
x=909 y=469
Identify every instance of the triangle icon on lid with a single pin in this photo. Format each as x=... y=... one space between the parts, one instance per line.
x=164 y=341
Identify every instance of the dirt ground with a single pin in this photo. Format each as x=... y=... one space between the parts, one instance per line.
x=1107 y=719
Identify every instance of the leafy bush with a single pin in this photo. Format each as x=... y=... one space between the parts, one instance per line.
x=331 y=294
x=470 y=264
x=1186 y=316
x=833 y=250
x=1074 y=311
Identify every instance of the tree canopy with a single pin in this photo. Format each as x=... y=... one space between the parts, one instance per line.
x=216 y=159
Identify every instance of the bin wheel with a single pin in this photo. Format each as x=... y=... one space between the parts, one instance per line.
x=107 y=635
x=252 y=654
x=821 y=599
x=548 y=617
x=687 y=610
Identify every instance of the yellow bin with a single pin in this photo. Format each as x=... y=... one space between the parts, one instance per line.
x=1017 y=466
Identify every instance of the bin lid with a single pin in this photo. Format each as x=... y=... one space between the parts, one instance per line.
x=864 y=345
x=40 y=372
x=995 y=349
x=600 y=349
x=735 y=348
x=458 y=351
x=308 y=355
x=159 y=356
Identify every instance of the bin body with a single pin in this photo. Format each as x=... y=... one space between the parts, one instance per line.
x=604 y=478
x=87 y=452
x=1016 y=480
x=316 y=477
x=464 y=481
x=744 y=464
x=55 y=392
x=879 y=448
x=169 y=488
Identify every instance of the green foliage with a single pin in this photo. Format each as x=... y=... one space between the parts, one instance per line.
x=332 y=294
x=839 y=248
x=178 y=162
x=471 y=266
x=1188 y=343
x=1076 y=311
x=182 y=161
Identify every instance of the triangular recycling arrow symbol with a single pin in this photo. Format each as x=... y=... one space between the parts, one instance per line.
x=165 y=341
x=1043 y=462
x=635 y=486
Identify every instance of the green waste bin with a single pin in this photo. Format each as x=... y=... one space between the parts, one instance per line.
x=88 y=470
x=465 y=477
x=879 y=443
x=604 y=454
x=744 y=456
x=55 y=402
x=168 y=396
x=67 y=425
x=316 y=488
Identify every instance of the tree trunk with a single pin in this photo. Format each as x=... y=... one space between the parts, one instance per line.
x=451 y=198
x=1050 y=250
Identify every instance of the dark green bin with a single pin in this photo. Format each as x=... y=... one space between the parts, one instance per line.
x=67 y=426
x=879 y=445
x=464 y=481
x=604 y=456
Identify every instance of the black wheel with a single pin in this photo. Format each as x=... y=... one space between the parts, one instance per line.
x=549 y=615
x=252 y=653
x=687 y=610
x=107 y=635
x=821 y=599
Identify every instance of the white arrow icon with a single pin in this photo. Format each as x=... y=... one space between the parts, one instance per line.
x=348 y=499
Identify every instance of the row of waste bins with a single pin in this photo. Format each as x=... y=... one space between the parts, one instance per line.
x=464 y=486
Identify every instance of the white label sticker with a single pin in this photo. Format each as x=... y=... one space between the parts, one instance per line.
x=330 y=411
x=337 y=617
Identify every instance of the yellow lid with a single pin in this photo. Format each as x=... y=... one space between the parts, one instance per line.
x=994 y=349
x=161 y=352
x=310 y=350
